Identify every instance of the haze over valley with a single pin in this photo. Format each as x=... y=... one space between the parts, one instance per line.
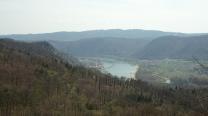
x=103 y=58
x=132 y=48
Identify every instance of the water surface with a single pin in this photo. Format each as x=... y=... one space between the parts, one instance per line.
x=119 y=68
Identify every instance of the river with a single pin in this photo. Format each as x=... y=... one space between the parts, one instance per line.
x=114 y=67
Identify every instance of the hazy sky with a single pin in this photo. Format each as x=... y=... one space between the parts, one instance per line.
x=35 y=16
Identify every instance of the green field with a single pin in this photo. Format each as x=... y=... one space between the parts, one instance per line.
x=178 y=71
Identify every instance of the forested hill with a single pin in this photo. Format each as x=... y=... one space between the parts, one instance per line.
x=35 y=83
x=172 y=47
x=99 y=47
x=34 y=48
x=42 y=49
x=175 y=47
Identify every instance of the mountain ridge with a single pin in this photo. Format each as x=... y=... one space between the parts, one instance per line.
x=71 y=36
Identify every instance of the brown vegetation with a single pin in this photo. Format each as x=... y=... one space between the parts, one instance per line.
x=35 y=84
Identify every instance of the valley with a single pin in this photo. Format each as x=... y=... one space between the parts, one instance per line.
x=174 y=72
x=103 y=58
x=104 y=76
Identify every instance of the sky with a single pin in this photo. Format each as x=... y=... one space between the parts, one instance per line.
x=40 y=16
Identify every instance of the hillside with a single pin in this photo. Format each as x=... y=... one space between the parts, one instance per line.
x=97 y=47
x=37 y=49
x=35 y=83
x=175 y=47
x=72 y=36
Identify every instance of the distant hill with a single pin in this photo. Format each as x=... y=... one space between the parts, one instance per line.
x=120 y=47
x=176 y=47
x=144 y=44
x=113 y=33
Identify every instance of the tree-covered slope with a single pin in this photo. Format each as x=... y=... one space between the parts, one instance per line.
x=35 y=83
x=120 y=47
x=176 y=47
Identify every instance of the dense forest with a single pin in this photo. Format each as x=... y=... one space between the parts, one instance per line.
x=36 y=81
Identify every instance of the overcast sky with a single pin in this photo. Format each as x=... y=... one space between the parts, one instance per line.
x=39 y=16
